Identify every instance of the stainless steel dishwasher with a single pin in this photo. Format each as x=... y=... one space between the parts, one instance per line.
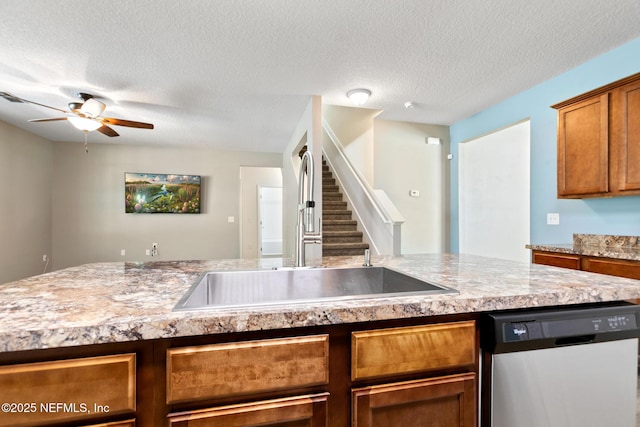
x=561 y=367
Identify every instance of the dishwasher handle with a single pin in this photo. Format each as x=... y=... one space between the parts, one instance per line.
x=581 y=339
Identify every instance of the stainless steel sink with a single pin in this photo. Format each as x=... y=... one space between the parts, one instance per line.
x=297 y=285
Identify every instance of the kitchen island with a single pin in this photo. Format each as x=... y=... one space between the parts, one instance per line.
x=121 y=316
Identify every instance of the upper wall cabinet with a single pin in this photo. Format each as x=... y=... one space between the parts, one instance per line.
x=599 y=142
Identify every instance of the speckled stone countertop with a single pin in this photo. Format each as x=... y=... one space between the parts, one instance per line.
x=114 y=302
x=598 y=245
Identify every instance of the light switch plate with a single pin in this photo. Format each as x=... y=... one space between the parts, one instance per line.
x=553 y=218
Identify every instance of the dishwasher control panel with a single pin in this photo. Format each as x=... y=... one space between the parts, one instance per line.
x=520 y=331
x=549 y=327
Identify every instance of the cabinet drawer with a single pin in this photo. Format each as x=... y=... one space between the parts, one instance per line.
x=613 y=267
x=308 y=410
x=444 y=401
x=218 y=370
x=106 y=381
x=556 y=260
x=128 y=423
x=406 y=350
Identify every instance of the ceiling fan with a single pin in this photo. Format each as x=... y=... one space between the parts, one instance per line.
x=85 y=115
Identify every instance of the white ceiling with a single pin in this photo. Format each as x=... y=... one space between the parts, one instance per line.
x=237 y=74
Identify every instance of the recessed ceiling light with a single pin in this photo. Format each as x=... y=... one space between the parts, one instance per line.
x=359 y=96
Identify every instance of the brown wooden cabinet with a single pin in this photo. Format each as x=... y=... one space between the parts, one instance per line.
x=430 y=351
x=599 y=142
x=448 y=401
x=128 y=423
x=68 y=390
x=627 y=133
x=611 y=266
x=245 y=368
x=314 y=377
x=302 y=411
x=556 y=259
x=583 y=147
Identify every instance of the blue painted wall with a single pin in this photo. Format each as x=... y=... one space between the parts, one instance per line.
x=619 y=215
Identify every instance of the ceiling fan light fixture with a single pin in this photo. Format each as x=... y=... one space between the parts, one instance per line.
x=359 y=96
x=84 y=124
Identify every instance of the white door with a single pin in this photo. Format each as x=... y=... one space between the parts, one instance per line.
x=251 y=179
x=270 y=221
x=493 y=200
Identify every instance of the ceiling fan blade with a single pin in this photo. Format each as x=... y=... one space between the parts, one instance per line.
x=128 y=123
x=92 y=108
x=106 y=130
x=54 y=119
x=37 y=103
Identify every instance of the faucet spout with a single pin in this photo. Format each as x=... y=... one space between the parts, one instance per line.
x=305 y=233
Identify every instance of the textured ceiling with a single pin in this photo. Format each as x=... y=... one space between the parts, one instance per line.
x=237 y=74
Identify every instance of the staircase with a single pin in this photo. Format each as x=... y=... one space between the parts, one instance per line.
x=339 y=231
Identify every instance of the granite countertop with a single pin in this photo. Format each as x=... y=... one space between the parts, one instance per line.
x=115 y=302
x=597 y=245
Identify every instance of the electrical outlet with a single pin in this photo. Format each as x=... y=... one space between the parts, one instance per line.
x=147 y=252
x=553 y=218
x=154 y=249
x=123 y=252
x=45 y=258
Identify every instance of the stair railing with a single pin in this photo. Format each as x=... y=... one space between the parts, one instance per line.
x=380 y=220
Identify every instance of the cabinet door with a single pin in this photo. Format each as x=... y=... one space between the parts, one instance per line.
x=627 y=125
x=583 y=148
x=302 y=411
x=444 y=402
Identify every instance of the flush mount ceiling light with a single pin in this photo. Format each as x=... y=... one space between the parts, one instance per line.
x=359 y=96
x=408 y=105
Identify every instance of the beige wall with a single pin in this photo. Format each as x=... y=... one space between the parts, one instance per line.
x=403 y=161
x=354 y=128
x=308 y=131
x=26 y=171
x=89 y=223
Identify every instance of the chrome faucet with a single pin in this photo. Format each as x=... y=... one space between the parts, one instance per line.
x=305 y=234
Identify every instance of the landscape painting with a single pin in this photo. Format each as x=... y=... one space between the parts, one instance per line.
x=162 y=193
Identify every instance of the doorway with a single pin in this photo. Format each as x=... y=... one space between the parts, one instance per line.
x=252 y=180
x=494 y=188
x=269 y=221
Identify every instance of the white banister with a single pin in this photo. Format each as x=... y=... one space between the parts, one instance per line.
x=377 y=215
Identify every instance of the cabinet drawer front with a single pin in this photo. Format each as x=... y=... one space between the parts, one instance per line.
x=557 y=260
x=128 y=423
x=69 y=390
x=444 y=401
x=217 y=370
x=310 y=411
x=412 y=349
x=620 y=268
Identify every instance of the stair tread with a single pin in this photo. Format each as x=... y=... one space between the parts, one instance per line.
x=346 y=245
x=337 y=233
x=336 y=211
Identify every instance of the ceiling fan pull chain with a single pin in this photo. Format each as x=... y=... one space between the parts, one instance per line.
x=86 y=146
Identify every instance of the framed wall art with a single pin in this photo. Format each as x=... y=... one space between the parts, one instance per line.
x=162 y=193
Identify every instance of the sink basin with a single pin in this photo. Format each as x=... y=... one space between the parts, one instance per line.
x=286 y=286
